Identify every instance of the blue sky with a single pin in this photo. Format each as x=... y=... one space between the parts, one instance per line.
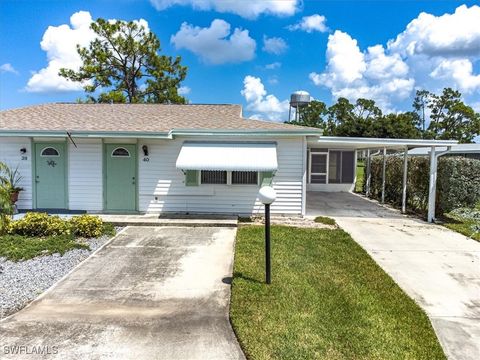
x=329 y=48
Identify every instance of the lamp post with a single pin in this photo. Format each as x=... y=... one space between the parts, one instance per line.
x=267 y=195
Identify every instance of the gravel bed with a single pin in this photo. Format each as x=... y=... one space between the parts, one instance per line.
x=23 y=281
x=288 y=221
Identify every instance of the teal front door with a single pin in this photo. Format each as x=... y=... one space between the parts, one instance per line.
x=50 y=176
x=120 y=177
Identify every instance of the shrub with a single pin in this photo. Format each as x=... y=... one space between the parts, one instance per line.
x=39 y=224
x=472 y=215
x=325 y=220
x=458 y=182
x=87 y=226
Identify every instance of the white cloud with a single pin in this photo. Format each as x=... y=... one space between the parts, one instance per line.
x=60 y=43
x=7 y=68
x=216 y=44
x=273 y=66
x=273 y=80
x=352 y=74
x=184 y=90
x=310 y=24
x=456 y=34
x=262 y=104
x=345 y=61
x=458 y=71
x=381 y=66
x=250 y=9
x=274 y=45
x=432 y=53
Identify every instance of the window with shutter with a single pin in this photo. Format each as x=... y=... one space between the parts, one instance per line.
x=191 y=178
x=267 y=178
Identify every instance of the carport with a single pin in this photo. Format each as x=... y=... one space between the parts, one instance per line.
x=386 y=147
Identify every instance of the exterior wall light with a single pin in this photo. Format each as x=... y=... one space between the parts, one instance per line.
x=145 y=150
x=23 y=150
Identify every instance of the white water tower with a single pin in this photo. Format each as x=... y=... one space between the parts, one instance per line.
x=298 y=100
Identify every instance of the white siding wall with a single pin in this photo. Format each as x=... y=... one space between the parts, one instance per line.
x=85 y=175
x=10 y=154
x=161 y=185
x=162 y=188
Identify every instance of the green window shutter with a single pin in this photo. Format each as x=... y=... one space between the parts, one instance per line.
x=266 y=178
x=191 y=178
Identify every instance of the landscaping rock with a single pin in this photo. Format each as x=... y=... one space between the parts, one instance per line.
x=21 y=282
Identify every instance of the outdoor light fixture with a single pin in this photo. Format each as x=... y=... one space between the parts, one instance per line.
x=267 y=195
x=145 y=150
x=23 y=150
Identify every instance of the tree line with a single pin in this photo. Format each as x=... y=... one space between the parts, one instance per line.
x=447 y=116
x=124 y=64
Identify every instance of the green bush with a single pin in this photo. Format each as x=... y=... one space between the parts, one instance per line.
x=458 y=182
x=87 y=226
x=39 y=224
x=325 y=220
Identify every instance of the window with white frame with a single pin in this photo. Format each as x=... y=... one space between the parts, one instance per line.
x=244 y=178
x=213 y=177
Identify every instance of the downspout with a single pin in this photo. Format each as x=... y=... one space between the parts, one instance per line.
x=433 y=181
x=404 y=180
x=384 y=170
x=304 y=176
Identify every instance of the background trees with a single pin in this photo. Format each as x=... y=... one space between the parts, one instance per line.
x=450 y=118
x=443 y=116
x=123 y=65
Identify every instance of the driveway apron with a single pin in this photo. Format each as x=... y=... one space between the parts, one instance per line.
x=150 y=293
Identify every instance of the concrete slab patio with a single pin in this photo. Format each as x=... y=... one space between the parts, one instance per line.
x=151 y=293
x=438 y=268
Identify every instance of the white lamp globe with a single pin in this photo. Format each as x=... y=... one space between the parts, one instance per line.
x=267 y=195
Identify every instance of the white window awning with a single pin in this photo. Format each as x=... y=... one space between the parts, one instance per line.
x=228 y=156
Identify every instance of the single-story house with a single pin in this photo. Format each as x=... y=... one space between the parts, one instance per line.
x=152 y=158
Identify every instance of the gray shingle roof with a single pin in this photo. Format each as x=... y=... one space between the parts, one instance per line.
x=132 y=118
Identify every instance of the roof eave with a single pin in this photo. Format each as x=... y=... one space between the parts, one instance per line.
x=243 y=132
x=84 y=134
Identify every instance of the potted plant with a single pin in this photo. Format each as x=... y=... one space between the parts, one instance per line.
x=10 y=180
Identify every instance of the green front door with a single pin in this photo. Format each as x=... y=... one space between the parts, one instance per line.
x=50 y=176
x=120 y=177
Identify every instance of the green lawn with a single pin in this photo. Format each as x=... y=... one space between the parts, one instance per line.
x=328 y=300
x=465 y=221
x=360 y=172
x=464 y=228
x=16 y=247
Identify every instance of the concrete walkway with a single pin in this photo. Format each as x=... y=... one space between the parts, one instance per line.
x=438 y=268
x=151 y=293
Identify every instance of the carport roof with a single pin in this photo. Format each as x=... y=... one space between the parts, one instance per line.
x=375 y=143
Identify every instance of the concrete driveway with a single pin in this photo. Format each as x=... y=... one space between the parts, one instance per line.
x=151 y=293
x=438 y=268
